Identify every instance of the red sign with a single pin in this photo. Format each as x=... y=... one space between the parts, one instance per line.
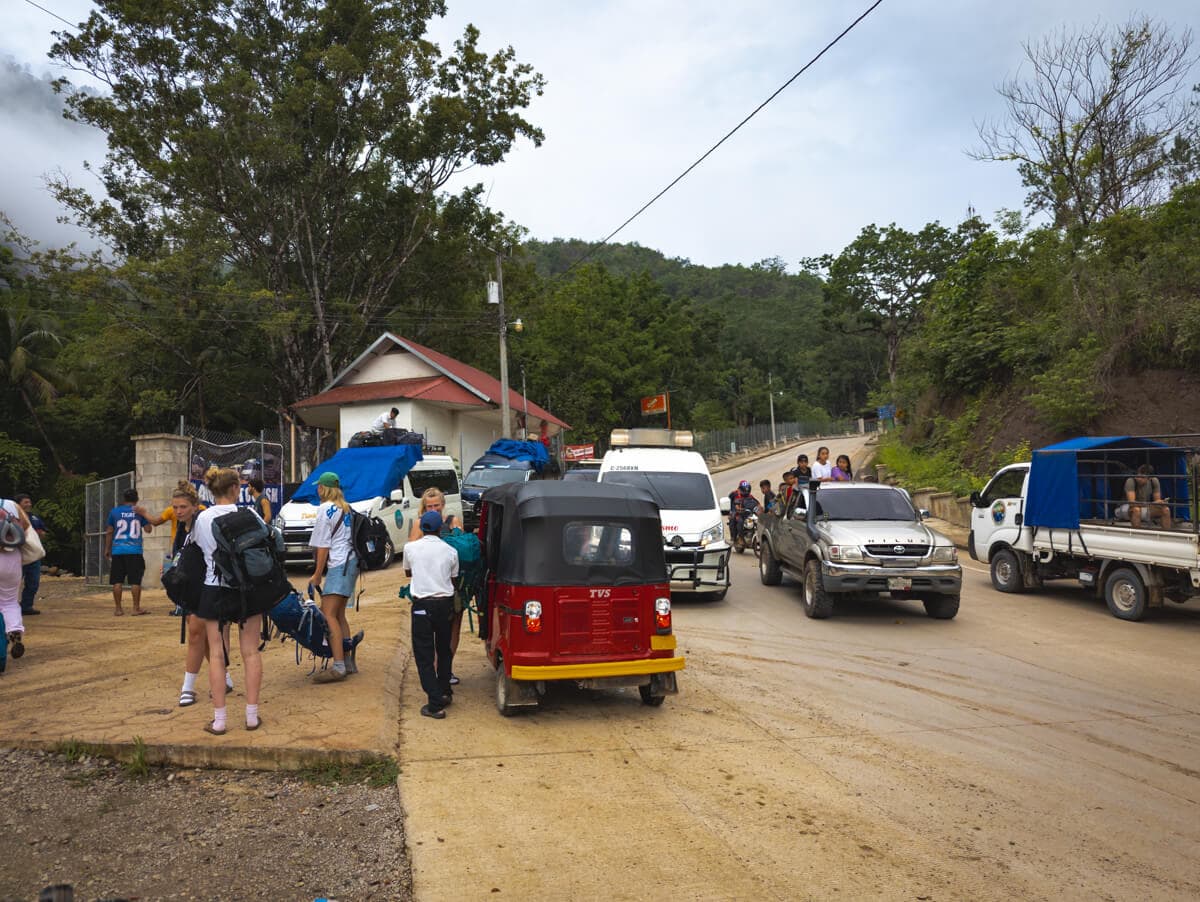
x=654 y=404
x=579 y=452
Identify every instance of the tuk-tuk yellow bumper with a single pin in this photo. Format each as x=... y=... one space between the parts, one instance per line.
x=640 y=667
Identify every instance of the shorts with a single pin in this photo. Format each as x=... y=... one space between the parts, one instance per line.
x=218 y=603
x=128 y=568
x=340 y=580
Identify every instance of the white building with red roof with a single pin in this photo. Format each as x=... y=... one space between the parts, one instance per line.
x=453 y=404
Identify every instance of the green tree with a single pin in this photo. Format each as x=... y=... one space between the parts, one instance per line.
x=883 y=276
x=312 y=138
x=25 y=368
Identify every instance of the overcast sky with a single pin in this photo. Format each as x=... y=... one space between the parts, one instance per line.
x=638 y=89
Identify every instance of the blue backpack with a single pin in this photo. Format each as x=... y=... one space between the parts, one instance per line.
x=470 y=563
x=303 y=621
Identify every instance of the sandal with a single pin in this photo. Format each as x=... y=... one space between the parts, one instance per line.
x=208 y=728
x=256 y=726
x=187 y=697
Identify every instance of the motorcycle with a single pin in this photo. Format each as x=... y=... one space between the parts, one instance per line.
x=747 y=534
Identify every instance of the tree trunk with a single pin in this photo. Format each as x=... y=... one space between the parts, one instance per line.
x=37 y=421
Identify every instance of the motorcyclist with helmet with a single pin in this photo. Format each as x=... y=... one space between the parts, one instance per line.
x=741 y=503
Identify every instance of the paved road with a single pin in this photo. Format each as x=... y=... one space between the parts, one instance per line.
x=1035 y=747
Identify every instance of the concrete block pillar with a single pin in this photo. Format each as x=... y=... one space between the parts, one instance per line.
x=160 y=461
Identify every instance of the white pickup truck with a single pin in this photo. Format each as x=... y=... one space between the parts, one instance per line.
x=1065 y=516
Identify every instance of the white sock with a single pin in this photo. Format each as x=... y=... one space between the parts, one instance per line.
x=189 y=681
x=228 y=682
x=219 y=719
x=251 y=715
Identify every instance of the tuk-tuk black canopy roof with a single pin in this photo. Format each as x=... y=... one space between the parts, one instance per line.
x=526 y=521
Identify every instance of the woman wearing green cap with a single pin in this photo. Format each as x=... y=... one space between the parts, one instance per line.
x=337 y=568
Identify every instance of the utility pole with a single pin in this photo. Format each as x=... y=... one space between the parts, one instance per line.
x=771 y=399
x=505 y=425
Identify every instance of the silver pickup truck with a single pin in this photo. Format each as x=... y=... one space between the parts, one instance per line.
x=842 y=538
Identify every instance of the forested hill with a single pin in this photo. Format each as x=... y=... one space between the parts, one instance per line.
x=772 y=323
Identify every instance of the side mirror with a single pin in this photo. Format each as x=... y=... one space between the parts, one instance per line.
x=397 y=495
x=976 y=501
x=726 y=505
x=923 y=513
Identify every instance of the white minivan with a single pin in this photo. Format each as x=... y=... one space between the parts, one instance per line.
x=397 y=510
x=661 y=462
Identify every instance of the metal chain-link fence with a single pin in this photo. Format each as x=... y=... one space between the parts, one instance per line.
x=100 y=497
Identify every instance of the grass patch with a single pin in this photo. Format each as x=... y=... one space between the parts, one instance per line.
x=75 y=750
x=378 y=772
x=940 y=468
x=137 y=765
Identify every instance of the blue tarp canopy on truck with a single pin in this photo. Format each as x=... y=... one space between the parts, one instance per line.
x=364 y=472
x=1084 y=478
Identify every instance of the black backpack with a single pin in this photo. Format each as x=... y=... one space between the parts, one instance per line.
x=369 y=539
x=249 y=557
x=185 y=579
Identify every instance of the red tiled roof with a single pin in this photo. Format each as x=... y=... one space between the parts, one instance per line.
x=430 y=388
x=447 y=389
x=481 y=380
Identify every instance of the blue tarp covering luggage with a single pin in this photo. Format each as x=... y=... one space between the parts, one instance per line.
x=1084 y=478
x=533 y=452
x=364 y=472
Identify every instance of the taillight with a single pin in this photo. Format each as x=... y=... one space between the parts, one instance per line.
x=662 y=615
x=533 y=617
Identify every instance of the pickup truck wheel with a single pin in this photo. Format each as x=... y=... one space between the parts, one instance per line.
x=769 y=570
x=818 y=604
x=1006 y=572
x=941 y=607
x=648 y=698
x=1125 y=594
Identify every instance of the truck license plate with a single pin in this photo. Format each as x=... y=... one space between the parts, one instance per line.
x=899 y=582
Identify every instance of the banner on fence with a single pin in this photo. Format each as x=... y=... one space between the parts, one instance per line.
x=252 y=459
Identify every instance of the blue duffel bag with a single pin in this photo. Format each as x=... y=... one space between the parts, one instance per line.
x=302 y=620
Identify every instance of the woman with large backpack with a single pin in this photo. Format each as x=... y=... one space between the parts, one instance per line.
x=337 y=568
x=217 y=598
x=14 y=526
x=185 y=508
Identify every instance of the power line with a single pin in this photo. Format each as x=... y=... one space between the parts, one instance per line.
x=727 y=136
x=52 y=13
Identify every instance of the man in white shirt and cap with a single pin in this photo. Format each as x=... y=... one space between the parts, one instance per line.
x=432 y=565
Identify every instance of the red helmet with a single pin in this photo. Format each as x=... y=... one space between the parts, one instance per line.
x=744 y=486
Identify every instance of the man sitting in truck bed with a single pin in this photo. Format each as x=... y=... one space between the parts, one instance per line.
x=1143 y=495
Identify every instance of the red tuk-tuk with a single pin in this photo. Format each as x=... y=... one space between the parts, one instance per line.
x=575 y=589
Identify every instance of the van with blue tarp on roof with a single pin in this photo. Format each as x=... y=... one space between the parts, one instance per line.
x=1116 y=513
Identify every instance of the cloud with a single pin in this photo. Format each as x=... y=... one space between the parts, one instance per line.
x=39 y=142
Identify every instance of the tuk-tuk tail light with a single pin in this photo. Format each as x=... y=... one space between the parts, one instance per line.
x=533 y=616
x=662 y=615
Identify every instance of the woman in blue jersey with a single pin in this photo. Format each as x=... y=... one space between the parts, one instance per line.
x=334 y=574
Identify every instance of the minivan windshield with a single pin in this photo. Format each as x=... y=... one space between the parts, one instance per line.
x=670 y=491
x=864 y=504
x=490 y=476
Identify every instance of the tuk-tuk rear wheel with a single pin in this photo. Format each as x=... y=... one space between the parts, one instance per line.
x=503 y=687
x=649 y=699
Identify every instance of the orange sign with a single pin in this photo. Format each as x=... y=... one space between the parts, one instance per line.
x=579 y=452
x=654 y=404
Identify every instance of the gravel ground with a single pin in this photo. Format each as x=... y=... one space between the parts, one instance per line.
x=189 y=834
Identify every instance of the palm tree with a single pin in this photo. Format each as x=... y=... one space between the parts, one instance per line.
x=23 y=370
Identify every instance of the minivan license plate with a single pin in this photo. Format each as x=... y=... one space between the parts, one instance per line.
x=899 y=582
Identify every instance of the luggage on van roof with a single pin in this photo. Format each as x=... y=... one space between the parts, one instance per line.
x=511 y=449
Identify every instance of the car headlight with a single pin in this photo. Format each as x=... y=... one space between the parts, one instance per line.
x=845 y=553
x=712 y=534
x=945 y=554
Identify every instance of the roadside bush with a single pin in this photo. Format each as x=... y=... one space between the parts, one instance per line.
x=1068 y=396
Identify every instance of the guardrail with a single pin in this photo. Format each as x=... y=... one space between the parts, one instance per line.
x=720 y=444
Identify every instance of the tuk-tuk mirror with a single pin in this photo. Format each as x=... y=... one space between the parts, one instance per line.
x=397 y=495
x=726 y=504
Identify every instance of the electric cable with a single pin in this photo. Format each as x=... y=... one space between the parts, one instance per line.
x=726 y=137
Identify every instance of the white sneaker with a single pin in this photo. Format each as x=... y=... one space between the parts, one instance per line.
x=228 y=682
